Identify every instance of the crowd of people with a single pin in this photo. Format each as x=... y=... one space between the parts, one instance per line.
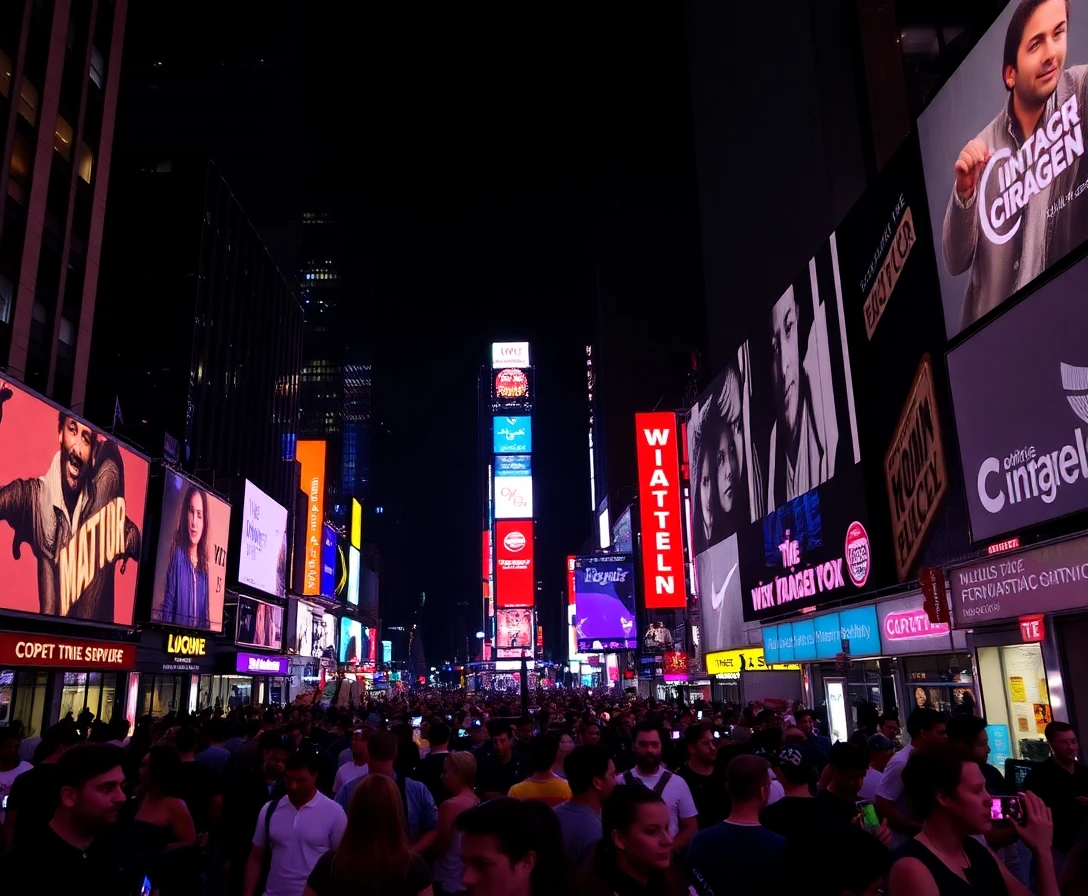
x=441 y=792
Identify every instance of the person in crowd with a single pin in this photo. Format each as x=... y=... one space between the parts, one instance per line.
x=837 y=803
x=635 y=852
x=736 y=855
x=198 y=785
x=293 y=833
x=590 y=733
x=795 y=813
x=888 y=725
x=432 y=767
x=459 y=781
x=948 y=791
x=862 y=871
x=11 y=766
x=419 y=808
x=358 y=766
x=525 y=730
x=73 y=851
x=881 y=750
x=505 y=767
x=373 y=858
x=1062 y=783
x=592 y=777
x=649 y=772
x=566 y=744
x=543 y=784
x=818 y=744
x=927 y=728
x=33 y=795
x=704 y=779
x=511 y=848
x=215 y=755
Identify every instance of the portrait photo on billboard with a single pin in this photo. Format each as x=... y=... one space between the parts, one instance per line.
x=262 y=554
x=604 y=599
x=260 y=624
x=72 y=504
x=1003 y=146
x=1020 y=396
x=514 y=628
x=191 y=560
x=719 y=590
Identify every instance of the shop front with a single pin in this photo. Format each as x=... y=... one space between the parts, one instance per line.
x=742 y=676
x=170 y=667
x=246 y=678
x=1027 y=617
x=44 y=677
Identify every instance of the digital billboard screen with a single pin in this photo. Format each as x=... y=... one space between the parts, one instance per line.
x=260 y=624
x=512 y=387
x=262 y=557
x=315 y=631
x=512 y=435
x=328 y=562
x=513 y=487
x=509 y=354
x=515 y=577
x=72 y=499
x=311 y=456
x=659 y=510
x=1002 y=146
x=775 y=457
x=191 y=559
x=604 y=597
x=514 y=629
x=354 y=568
x=358 y=644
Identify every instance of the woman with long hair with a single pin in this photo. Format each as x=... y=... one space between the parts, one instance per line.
x=459 y=778
x=374 y=857
x=185 y=597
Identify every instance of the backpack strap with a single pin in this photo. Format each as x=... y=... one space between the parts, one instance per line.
x=266 y=862
x=662 y=782
x=630 y=779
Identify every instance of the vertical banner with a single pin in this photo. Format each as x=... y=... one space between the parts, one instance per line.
x=311 y=455
x=659 y=511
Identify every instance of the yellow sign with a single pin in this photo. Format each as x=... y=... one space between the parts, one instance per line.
x=186 y=645
x=747 y=659
x=356 y=524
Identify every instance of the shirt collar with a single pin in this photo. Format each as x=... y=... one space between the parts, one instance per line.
x=1012 y=125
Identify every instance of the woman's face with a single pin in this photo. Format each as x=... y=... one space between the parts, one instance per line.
x=786 y=361
x=706 y=491
x=195 y=518
x=969 y=803
x=566 y=744
x=647 y=843
x=729 y=467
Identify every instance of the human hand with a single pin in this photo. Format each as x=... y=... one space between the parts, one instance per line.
x=1037 y=827
x=969 y=166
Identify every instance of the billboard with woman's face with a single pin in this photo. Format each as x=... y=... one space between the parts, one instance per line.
x=260 y=624
x=191 y=560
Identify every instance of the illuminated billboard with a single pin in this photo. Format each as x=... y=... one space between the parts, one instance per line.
x=79 y=559
x=515 y=578
x=509 y=354
x=260 y=624
x=356 y=523
x=514 y=629
x=262 y=557
x=659 y=510
x=512 y=435
x=513 y=487
x=353 y=576
x=328 y=562
x=315 y=630
x=358 y=644
x=512 y=387
x=604 y=595
x=311 y=455
x=191 y=560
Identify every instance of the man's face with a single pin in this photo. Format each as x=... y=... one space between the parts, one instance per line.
x=1064 y=746
x=848 y=782
x=938 y=734
x=786 y=360
x=591 y=734
x=488 y=872
x=980 y=749
x=358 y=746
x=730 y=460
x=705 y=749
x=274 y=762
x=607 y=784
x=98 y=802
x=1040 y=58
x=648 y=750
x=807 y=725
x=890 y=729
x=501 y=743
x=76 y=442
x=301 y=785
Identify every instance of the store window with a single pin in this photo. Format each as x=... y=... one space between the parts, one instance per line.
x=1016 y=696
x=160 y=694
x=94 y=691
x=225 y=691
x=941 y=681
x=22 y=699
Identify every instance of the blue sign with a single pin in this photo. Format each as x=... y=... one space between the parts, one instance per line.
x=854 y=631
x=328 y=562
x=513 y=435
x=998 y=736
x=513 y=465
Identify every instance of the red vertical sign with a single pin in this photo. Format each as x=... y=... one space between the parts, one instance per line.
x=570 y=581
x=659 y=511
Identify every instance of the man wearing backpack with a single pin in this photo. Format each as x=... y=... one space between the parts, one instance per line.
x=648 y=772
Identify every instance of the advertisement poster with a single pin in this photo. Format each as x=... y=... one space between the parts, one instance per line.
x=604 y=596
x=315 y=631
x=514 y=629
x=71 y=514
x=513 y=489
x=720 y=600
x=260 y=624
x=262 y=558
x=357 y=644
x=328 y=562
x=512 y=387
x=191 y=560
x=311 y=456
x=1003 y=147
x=657 y=453
x=512 y=435
x=1025 y=457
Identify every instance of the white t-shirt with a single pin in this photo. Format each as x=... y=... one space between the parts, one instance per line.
x=5 y=783
x=891 y=788
x=299 y=838
x=348 y=772
x=870 y=784
x=677 y=796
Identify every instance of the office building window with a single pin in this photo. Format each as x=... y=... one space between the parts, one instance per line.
x=28 y=102
x=98 y=67
x=7 y=298
x=86 y=162
x=62 y=139
x=5 y=74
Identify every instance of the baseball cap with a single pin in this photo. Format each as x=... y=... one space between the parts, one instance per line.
x=878 y=743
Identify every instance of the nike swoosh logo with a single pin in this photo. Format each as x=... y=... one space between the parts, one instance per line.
x=716 y=597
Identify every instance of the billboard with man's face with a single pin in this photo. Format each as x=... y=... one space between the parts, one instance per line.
x=1002 y=146
x=72 y=502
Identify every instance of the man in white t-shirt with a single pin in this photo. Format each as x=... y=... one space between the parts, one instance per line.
x=926 y=728
x=648 y=771
x=10 y=765
x=881 y=751
x=304 y=826
x=358 y=766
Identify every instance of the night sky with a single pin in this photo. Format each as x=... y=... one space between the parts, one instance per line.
x=465 y=152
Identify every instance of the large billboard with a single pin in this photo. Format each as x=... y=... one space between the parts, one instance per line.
x=512 y=387
x=72 y=499
x=1002 y=145
x=315 y=631
x=509 y=354
x=262 y=558
x=658 y=459
x=191 y=560
x=515 y=578
x=604 y=597
x=514 y=629
x=328 y=562
x=311 y=455
x=260 y=624
x=1020 y=393
x=512 y=435
x=358 y=644
x=513 y=487
x=775 y=454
